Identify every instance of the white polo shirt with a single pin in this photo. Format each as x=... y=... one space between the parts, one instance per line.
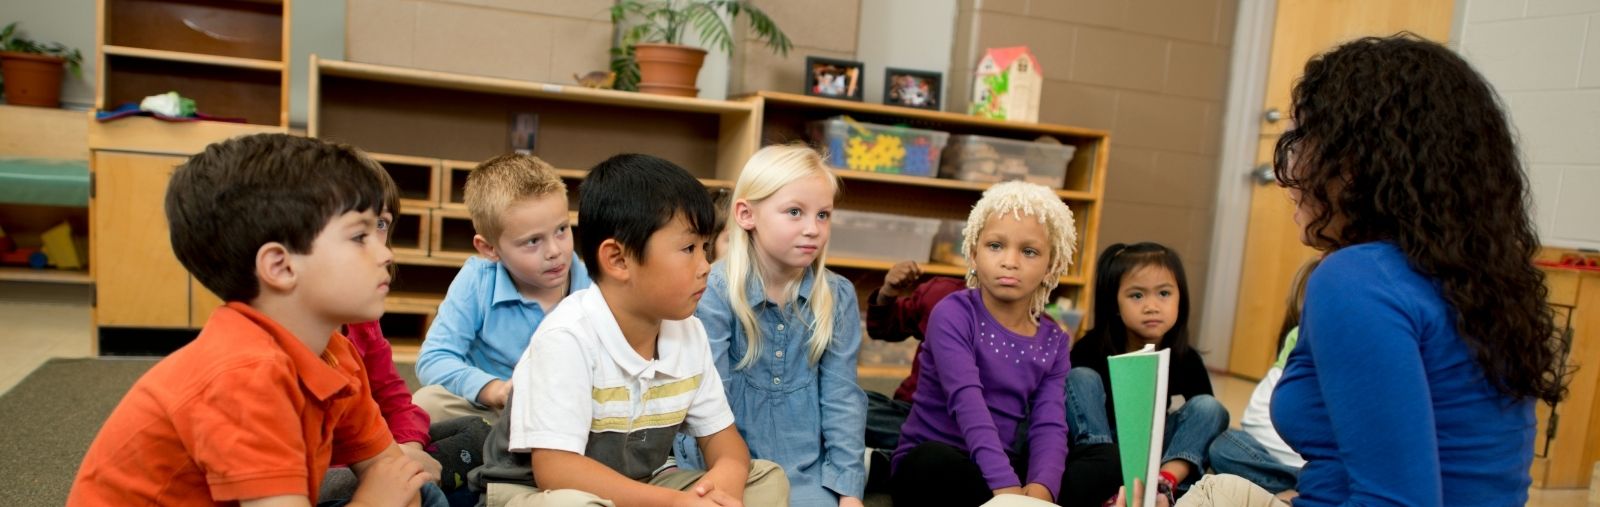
x=581 y=388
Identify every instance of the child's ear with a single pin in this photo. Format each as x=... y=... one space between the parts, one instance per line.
x=744 y=215
x=275 y=268
x=613 y=260
x=485 y=248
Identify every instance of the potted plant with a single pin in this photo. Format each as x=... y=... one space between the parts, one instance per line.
x=32 y=70
x=650 y=55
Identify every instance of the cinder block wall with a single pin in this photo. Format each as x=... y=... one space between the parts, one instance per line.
x=534 y=40
x=1154 y=73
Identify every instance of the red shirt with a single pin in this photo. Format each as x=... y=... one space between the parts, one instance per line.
x=245 y=411
x=907 y=316
x=407 y=421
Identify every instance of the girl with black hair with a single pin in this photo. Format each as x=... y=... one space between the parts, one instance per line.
x=1139 y=299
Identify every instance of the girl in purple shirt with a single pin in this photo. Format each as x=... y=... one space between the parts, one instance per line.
x=989 y=415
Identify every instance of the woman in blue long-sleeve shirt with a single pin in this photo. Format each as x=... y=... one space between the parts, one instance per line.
x=1426 y=340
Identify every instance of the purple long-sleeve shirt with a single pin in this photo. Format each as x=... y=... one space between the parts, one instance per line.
x=978 y=381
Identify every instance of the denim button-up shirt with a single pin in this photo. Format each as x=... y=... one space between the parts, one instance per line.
x=808 y=418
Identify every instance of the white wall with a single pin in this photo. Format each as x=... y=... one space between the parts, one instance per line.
x=1543 y=56
x=906 y=34
x=69 y=22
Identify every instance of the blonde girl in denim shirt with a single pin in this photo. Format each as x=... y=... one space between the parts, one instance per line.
x=785 y=332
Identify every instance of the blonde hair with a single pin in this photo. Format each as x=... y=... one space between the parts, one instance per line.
x=500 y=182
x=769 y=170
x=1018 y=199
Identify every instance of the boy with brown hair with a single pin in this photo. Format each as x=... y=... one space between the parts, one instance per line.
x=287 y=230
x=524 y=267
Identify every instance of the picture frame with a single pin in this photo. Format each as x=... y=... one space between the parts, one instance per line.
x=834 y=78
x=919 y=89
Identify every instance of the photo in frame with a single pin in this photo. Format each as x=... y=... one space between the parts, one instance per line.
x=832 y=78
x=912 y=88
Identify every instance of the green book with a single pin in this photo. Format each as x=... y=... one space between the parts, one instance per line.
x=1139 y=395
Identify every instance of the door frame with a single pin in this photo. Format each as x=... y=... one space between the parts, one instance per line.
x=1241 y=133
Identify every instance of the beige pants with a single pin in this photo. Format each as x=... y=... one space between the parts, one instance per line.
x=767 y=485
x=442 y=405
x=1228 y=491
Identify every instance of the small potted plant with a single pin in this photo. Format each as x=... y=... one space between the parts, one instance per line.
x=32 y=70
x=650 y=55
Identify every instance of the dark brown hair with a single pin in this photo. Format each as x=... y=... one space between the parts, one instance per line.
x=237 y=195
x=1398 y=139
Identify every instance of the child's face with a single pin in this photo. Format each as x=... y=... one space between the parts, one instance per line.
x=1012 y=257
x=1147 y=300
x=346 y=274
x=535 y=244
x=791 y=226
x=671 y=273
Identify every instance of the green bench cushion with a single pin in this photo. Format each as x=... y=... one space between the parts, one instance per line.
x=48 y=182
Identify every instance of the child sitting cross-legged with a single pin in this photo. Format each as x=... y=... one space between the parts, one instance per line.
x=617 y=370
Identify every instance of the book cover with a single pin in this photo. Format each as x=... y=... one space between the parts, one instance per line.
x=1139 y=395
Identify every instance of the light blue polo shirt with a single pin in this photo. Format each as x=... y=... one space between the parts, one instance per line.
x=482 y=328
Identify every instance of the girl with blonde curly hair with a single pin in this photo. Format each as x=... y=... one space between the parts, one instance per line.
x=994 y=363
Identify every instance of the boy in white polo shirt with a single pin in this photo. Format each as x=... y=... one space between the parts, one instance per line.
x=619 y=369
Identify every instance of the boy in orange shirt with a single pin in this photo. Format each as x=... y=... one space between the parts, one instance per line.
x=287 y=230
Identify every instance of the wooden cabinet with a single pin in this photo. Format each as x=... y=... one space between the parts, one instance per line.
x=1565 y=455
x=139 y=281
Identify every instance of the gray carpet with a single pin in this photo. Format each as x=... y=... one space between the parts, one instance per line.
x=50 y=418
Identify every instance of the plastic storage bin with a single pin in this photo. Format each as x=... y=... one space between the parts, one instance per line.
x=992 y=160
x=947 y=243
x=879 y=148
x=880 y=236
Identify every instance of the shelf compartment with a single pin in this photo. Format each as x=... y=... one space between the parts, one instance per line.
x=431 y=278
x=408 y=235
x=417 y=179
x=254 y=95
x=237 y=29
x=453 y=176
x=452 y=234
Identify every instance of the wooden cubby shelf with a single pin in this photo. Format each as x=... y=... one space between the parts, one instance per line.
x=410 y=232
x=203 y=59
x=450 y=120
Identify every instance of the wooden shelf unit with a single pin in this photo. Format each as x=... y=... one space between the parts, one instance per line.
x=784 y=118
x=455 y=119
x=231 y=57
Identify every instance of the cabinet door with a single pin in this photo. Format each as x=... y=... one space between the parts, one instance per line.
x=139 y=282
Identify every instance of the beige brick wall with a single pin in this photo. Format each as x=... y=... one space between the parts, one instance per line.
x=535 y=40
x=816 y=27
x=1154 y=73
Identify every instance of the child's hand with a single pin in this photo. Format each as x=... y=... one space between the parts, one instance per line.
x=1138 y=492
x=390 y=480
x=900 y=279
x=849 y=501
x=706 y=494
x=1008 y=491
x=494 y=394
x=429 y=465
x=1037 y=490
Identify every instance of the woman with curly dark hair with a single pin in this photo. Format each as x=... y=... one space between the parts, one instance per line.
x=1425 y=339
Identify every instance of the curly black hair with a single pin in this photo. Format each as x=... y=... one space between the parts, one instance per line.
x=1398 y=139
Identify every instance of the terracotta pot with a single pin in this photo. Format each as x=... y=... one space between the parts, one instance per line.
x=669 y=69
x=32 y=80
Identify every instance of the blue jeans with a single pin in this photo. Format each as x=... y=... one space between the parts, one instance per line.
x=1190 y=429
x=885 y=415
x=1236 y=452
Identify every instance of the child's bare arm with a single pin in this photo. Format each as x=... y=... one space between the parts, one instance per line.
x=278 y=501
x=390 y=478
x=727 y=461
x=554 y=469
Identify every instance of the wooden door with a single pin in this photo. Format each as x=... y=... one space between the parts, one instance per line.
x=1273 y=252
x=139 y=282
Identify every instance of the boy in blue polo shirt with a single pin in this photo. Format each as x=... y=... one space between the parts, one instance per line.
x=524 y=267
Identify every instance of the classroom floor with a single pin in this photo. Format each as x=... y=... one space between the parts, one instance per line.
x=43 y=321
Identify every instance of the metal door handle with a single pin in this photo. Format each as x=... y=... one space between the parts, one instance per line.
x=1264 y=175
x=1273 y=115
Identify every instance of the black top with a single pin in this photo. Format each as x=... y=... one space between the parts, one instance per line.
x=1186 y=375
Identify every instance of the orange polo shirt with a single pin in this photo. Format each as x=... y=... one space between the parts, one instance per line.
x=245 y=411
